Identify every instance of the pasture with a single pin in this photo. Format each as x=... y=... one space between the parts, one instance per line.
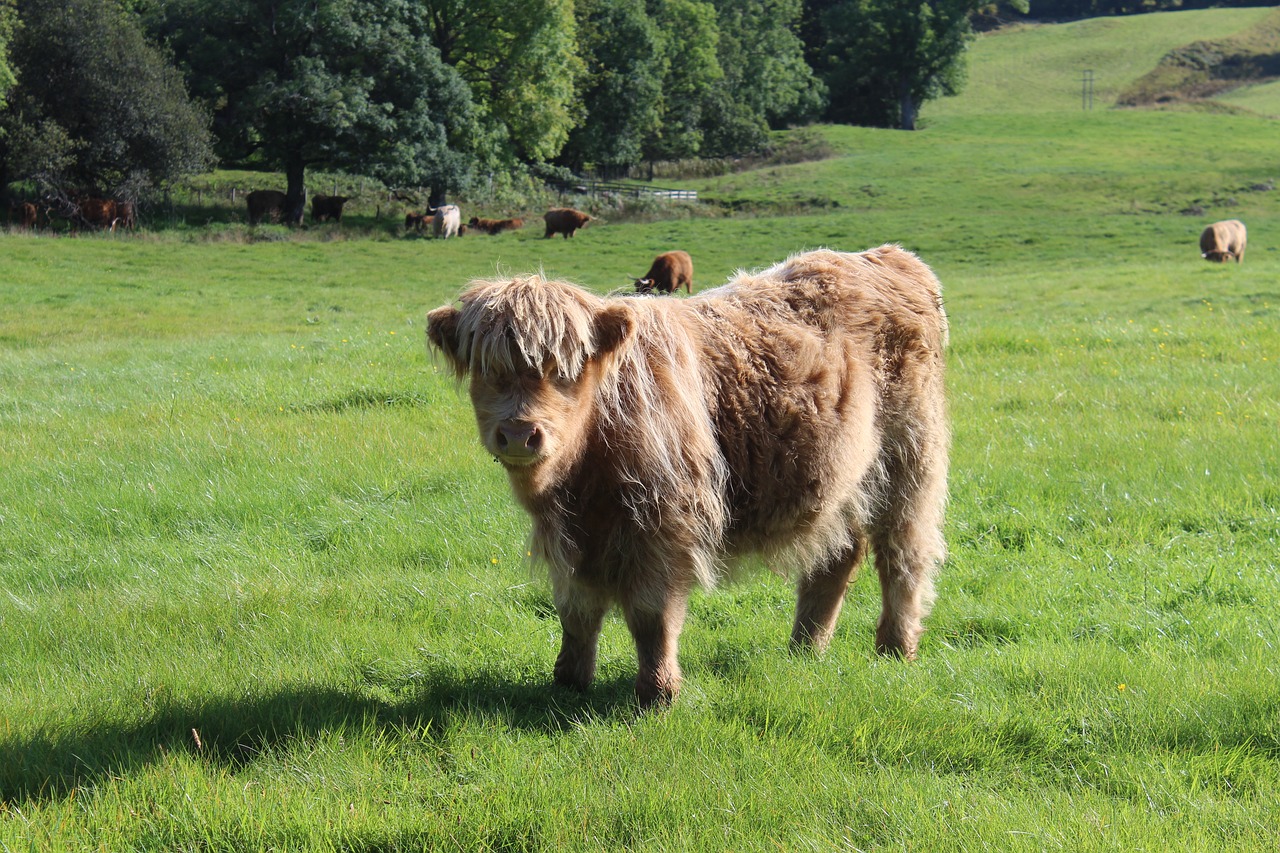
x=260 y=587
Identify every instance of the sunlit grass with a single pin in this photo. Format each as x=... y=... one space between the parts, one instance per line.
x=260 y=588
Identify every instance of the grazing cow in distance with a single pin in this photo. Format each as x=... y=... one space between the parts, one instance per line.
x=268 y=204
x=24 y=213
x=446 y=221
x=326 y=207
x=105 y=213
x=798 y=412
x=667 y=272
x=495 y=226
x=1223 y=241
x=415 y=222
x=564 y=220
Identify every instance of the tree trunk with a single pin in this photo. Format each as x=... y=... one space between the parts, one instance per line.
x=906 y=105
x=295 y=202
x=435 y=197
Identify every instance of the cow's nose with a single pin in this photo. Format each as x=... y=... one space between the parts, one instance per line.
x=519 y=438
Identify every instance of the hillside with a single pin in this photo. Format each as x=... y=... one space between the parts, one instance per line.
x=1199 y=74
x=1037 y=68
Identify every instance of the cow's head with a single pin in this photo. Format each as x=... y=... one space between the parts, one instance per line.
x=536 y=352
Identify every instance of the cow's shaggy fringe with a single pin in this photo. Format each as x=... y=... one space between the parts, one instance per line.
x=651 y=398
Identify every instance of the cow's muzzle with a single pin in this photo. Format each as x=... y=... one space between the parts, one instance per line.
x=518 y=442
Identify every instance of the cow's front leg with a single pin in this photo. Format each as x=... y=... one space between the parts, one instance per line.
x=820 y=598
x=655 y=622
x=581 y=614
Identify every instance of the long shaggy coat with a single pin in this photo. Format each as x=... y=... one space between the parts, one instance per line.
x=797 y=412
x=1224 y=241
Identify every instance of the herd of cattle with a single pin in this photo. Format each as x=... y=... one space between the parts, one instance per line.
x=82 y=212
x=1221 y=241
x=446 y=221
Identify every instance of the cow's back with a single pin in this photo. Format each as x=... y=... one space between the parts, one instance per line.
x=1223 y=240
x=817 y=366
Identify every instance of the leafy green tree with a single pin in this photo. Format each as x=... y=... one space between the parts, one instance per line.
x=8 y=18
x=767 y=83
x=342 y=84
x=881 y=59
x=522 y=65
x=96 y=105
x=687 y=48
x=622 y=94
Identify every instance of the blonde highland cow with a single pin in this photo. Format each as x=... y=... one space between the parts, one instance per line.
x=798 y=413
x=1224 y=241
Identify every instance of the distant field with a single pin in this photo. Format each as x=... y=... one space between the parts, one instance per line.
x=1263 y=99
x=1037 y=68
x=260 y=588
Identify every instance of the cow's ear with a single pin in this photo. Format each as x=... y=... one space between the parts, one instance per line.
x=615 y=329
x=442 y=330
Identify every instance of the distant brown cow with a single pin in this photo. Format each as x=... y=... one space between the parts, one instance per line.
x=667 y=272
x=564 y=220
x=416 y=221
x=326 y=207
x=267 y=204
x=125 y=215
x=495 y=226
x=798 y=412
x=24 y=213
x=1223 y=241
x=105 y=213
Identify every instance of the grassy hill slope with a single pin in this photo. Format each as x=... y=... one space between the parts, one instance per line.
x=1037 y=68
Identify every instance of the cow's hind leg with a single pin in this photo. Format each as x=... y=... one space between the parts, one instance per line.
x=581 y=615
x=908 y=545
x=820 y=595
x=655 y=622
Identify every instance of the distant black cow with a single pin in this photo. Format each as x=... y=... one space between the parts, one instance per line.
x=326 y=207
x=268 y=204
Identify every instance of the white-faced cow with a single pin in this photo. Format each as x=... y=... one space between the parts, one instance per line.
x=1224 y=241
x=667 y=273
x=797 y=413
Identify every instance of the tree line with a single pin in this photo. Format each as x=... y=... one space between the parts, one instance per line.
x=121 y=96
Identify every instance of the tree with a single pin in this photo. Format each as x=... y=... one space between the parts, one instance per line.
x=343 y=84
x=767 y=82
x=8 y=18
x=521 y=63
x=96 y=106
x=622 y=97
x=883 y=58
x=687 y=46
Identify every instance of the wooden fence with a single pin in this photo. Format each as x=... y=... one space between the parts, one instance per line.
x=593 y=188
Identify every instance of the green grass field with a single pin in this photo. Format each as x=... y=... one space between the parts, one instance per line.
x=260 y=588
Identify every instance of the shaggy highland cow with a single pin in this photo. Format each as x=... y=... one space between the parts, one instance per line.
x=1224 y=241
x=797 y=413
x=446 y=221
x=667 y=272
x=565 y=220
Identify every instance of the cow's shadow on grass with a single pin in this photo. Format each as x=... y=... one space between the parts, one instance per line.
x=232 y=733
